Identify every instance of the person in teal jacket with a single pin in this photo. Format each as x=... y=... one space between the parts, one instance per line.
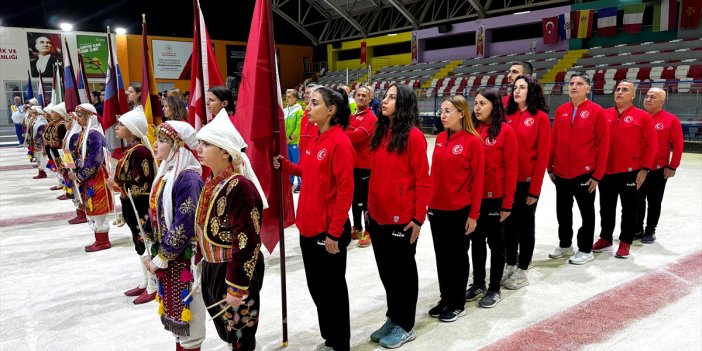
x=293 y=116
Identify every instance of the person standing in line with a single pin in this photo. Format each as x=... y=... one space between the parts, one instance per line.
x=134 y=96
x=293 y=117
x=457 y=169
x=527 y=115
x=352 y=102
x=359 y=131
x=220 y=98
x=576 y=164
x=664 y=167
x=37 y=126
x=633 y=145
x=322 y=216
x=399 y=191
x=500 y=182
x=518 y=68
x=17 y=118
x=308 y=131
x=53 y=135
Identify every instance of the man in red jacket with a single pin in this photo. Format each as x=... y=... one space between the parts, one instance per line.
x=577 y=160
x=633 y=144
x=518 y=68
x=669 y=133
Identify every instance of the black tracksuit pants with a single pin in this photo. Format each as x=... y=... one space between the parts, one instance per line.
x=613 y=186
x=519 y=229
x=566 y=190
x=651 y=191
x=490 y=230
x=361 y=178
x=452 y=264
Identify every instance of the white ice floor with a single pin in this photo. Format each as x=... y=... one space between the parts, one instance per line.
x=54 y=296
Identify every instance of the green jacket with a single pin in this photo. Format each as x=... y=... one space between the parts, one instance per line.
x=293 y=117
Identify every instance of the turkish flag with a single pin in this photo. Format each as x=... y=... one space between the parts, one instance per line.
x=690 y=14
x=549 y=26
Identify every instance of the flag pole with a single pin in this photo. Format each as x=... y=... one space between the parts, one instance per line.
x=281 y=233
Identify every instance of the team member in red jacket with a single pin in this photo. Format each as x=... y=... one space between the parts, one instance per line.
x=633 y=145
x=399 y=191
x=526 y=114
x=360 y=130
x=456 y=191
x=576 y=163
x=322 y=216
x=308 y=131
x=500 y=182
x=669 y=133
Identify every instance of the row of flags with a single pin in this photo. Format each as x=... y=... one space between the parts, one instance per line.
x=578 y=24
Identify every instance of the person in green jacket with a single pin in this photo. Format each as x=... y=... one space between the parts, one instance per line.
x=293 y=116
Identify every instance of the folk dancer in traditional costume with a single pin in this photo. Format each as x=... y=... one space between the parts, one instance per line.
x=91 y=175
x=133 y=176
x=53 y=135
x=35 y=129
x=174 y=197
x=228 y=233
x=70 y=150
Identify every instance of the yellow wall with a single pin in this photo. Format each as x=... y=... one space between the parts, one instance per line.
x=400 y=59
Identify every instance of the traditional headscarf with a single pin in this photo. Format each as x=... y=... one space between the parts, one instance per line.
x=49 y=109
x=222 y=133
x=61 y=110
x=93 y=124
x=34 y=102
x=135 y=121
x=181 y=136
x=39 y=120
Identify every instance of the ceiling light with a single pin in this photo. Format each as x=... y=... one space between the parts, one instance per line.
x=120 y=30
x=521 y=13
x=66 y=27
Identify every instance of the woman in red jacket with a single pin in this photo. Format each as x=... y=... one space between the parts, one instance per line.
x=456 y=193
x=498 y=194
x=527 y=115
x=399 y=191
x=323 y=212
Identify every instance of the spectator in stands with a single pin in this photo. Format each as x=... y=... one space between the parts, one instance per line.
x=399 y=192
x=95 y=97
x=219 y=98
x=576 y=164
x=518 y=68
x=134 y=96
x=669 y=133
x=456 y=193
x=293 y=118
x=500 y=145
x=352 y=102
x=633 y=144
x=360 y=129
x=527 y=115
x=174 y=109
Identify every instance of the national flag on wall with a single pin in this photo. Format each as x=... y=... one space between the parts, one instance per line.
x=69 y=81
x=585 y=19
x=690 y=12
x=30 y=89
x=259 y=119
x=149 y=93
x=633 y=17
x=82 y=80
x=111 y=108
x=607 y=21
x=566 y=25
x=204 y=72
x=665 y=15
x=549 y=26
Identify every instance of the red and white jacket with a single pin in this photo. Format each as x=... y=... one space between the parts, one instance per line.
x=580 y=143
x=669 y=133
x=400 y=186
x=633 y=140
x=501 y=165
x=533 y=141
x=327 y=165
x=457 y=169
x=308 y=131
x=360 y=129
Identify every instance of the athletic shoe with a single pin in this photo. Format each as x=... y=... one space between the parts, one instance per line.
x=356 y=234
x=490 y=299
x=474 y=292
x=364 y=240
x=383 y=331
x=581 y=258
x=623 y=251
x=560 y=252
x=450 y=315
x=602 y=245
x=508 y=271
x=649 y=239
x=639 y=235
x=397 y=338
x=437 y=310
x=518 y=280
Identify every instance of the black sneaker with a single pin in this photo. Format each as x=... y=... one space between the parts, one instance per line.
x=473 y=293
x=437 y=310
x=649 y=239
x=450 y=315
x=490 y=299
x=639 y=235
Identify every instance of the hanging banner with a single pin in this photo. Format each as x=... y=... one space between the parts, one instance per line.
x=415 y=57
x=94 y=51
x=44 y=52
x=170 y=58
x=480 y=41
x=363 y=52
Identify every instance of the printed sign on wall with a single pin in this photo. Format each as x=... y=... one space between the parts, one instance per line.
x=94 y=51
x=170 y=58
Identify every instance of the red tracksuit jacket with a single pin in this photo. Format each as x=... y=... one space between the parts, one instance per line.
x=579 y=145
x=457 y=168
x=669 y=133
x=308 y=131
x=633 y=140
x=327 y=164
x=500 y=165
x=400 y=186
x=360 y=129
x=533 y=141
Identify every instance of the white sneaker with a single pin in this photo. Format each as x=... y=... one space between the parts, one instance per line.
x=560 y=252
x=581 y=258
x=508 y=272
x=518 y=280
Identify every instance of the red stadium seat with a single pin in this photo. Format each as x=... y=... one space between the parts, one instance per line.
x=644 y=73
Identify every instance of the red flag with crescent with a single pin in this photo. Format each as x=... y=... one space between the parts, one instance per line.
x=550 y=29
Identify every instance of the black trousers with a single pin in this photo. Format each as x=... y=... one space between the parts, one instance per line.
x=397 y=268
x=361 y=178
x=142 y=205
x=519 y=229
x=452 y=265
x=326 y=281
x=238 y=326
x=651 y=191
x=566 y=190
x=613 y=186
x=490 y=230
